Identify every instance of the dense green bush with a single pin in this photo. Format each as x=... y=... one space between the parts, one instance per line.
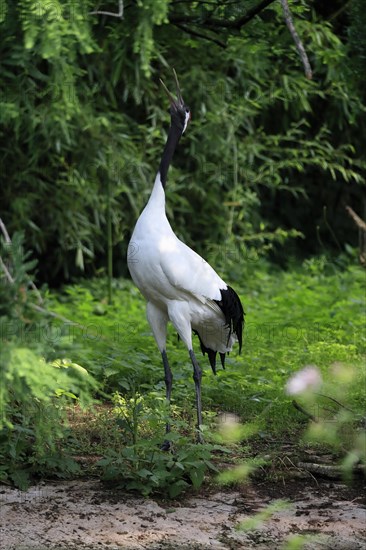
x=81 y=106
x=37 y=383
x=269 y=162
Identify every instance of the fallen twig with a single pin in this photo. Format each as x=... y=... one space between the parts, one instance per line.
x=303 y=411
x=336 y=401
x=328 y=470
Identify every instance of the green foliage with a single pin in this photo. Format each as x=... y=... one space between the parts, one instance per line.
x=33 y=396
x=153 y=12
x=357 y=41
x=34 y=391
x=239 y=473
x=311 y=315
x=269 y=161
x=308 y=316
x=146 y=469
x=80 y=106
x=17 y=269
x=299 y=541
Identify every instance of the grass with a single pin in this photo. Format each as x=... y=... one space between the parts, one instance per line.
x=292 y=319
x=312 y=315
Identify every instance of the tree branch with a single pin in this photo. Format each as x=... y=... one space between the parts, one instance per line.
x=361 y=225
x=341 y=10
x=239 y=23
x=297 y=40
x=356 y=218
x=7 y=273
x=111 y=14
x=5 y=232
x=200 y=35
x=213 y=22
x=5 y=269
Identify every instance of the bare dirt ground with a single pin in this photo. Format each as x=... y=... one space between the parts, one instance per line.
x=81 y=515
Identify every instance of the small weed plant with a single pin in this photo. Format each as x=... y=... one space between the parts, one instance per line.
x=141 y=465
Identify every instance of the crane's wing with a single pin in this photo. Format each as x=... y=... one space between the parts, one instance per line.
x=188 y=272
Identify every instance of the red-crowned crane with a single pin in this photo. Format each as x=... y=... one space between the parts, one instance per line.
x=178 y=284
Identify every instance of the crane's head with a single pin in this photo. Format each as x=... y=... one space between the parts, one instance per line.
x=179 y=112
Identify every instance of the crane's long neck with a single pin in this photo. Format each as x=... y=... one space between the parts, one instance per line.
x=174 y=136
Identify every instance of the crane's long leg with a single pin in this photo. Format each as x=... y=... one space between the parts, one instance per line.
x=197 y=376
x=168 y=383
x=158 y=321
x=179 y=314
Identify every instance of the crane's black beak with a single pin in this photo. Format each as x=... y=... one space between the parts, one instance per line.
x=176 y=103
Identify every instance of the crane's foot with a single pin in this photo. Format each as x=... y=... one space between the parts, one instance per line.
x=166 y=446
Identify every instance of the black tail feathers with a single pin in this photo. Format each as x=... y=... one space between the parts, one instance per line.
x=232 y=309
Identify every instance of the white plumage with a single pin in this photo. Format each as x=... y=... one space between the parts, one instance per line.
x=176 y=280
x=178 y=284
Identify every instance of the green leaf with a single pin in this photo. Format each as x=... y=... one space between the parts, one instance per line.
x=20 y=479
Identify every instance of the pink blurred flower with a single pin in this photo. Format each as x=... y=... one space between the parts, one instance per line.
x=308 y=378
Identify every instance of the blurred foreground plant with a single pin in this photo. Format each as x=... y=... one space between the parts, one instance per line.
x=333 y=422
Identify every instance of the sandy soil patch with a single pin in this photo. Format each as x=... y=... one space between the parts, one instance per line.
x=80 y=515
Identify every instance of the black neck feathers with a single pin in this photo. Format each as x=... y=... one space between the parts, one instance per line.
x=174 y=136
